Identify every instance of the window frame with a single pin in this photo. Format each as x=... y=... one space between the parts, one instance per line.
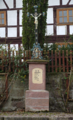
x=64 y=9
x=4 y=12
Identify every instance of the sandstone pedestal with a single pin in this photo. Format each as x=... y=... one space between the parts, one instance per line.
x=37 y=98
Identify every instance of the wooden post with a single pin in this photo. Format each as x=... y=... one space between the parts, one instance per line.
x=2 y=61
x=55 y=60
x=52 y=59
x=70 y=59
x=24 y=59
x=59 y=61
x=49 y=61
x=13 y=61
x=67 y=60
x=63 y=58
x=6 y=85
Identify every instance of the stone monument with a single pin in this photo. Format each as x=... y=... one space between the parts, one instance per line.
x=37 y=98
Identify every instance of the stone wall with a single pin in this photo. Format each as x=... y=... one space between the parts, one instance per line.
x=55 y=84
x=2 y=86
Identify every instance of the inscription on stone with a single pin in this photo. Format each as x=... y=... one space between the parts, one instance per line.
x=37 y=76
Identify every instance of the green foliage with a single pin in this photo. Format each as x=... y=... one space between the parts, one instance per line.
x=28 y=22
x=53 y=47
x=13 y=64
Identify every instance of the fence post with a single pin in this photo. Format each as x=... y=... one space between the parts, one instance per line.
x=70 y=59
x=2 y=60
x=13 y=61
x=52 y=59
x=24 y=59
x=55 y=60
x=59 y=61
x=67 y=59
x=63 y=58
x=48 y=62
x=9 y=57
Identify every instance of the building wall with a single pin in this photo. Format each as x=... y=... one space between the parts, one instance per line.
x=10 y=3
x=15 y=13
x=11 y=18
x=60 y=30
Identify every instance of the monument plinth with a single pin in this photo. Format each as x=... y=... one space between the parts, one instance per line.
x=37 y=98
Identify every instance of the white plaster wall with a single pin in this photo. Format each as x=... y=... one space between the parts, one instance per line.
x=2 y=5
x=20 y=31
x=71 y=2
x=20 y=17
x=12 y=32
x=71 y=29
x=14 y=47
x=49 y=44
x=9 y=3
x=49 y=30
x=19 y=3
x=50 y=18
x=4 y=46
x=12 y=17
x=64 y=2
x=61 y=30
x=2 y=32
x=53 y=2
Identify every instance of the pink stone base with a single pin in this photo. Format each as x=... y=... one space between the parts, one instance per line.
x=37 y=100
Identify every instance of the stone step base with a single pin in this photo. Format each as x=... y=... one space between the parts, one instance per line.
x=35 y=116
x=37 y=100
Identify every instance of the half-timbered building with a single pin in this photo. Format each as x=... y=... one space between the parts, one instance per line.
x=59 y=21
x=11 y=21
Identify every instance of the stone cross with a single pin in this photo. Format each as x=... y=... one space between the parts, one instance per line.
x=36 y=16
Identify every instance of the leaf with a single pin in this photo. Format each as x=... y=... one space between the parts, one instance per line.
x=65 y=77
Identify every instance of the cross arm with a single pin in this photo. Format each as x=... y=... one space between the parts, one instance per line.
x=39 y=15
x=32 y=15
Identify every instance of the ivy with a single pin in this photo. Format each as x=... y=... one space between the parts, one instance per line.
x=28 y=36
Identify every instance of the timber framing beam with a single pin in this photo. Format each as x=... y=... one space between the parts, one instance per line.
x=68 y=2
x=5 y=4
x=48 y=39
x=68 y=30
x=11 y=40
x=58 y=38
x=6 y=31
x=60 y=2
x=54 y=16
x=63 y=6
x=11 y=9
x=17 y=23
x=14 y=4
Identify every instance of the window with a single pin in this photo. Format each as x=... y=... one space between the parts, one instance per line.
x=2 y=18
x=65 y=16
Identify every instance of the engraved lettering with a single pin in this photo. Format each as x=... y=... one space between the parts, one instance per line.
x=37 y=76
